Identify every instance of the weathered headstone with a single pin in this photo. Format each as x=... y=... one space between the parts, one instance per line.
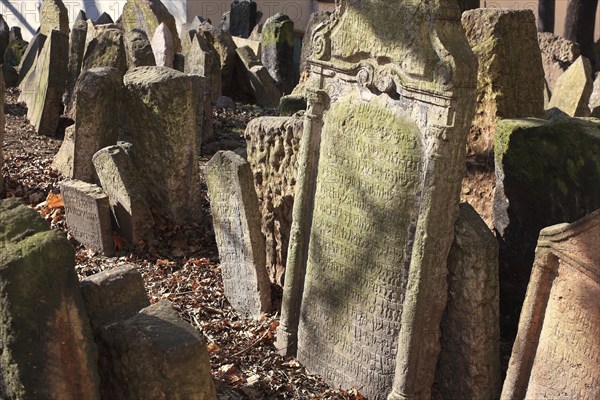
x=224 y=47
x=557 y=352
x=316 y=18
x=87 y=212
x=54 y=16
x=558 y=54
x=43 y=86
x=147 y=15
x=47 y=345
x=236 y=221
x=2 y=121
x=291 y=104
x=121 y=181
x=162 y=46
x=278 y=51
x=573 y=89
x=594 y=103
x=138 y=49
x=242 y=17
x=264 y=89
x=469 y=362
x=202 y=59
x=107 y=49
x=546 y=173
x=157 y=355
x=4 y=36
x=76 y=48
x=365 y=285
x=30 y=56
x=96 y=104
x=162 y=118
x=273 y=147
x=255 y=45
x=104 y=19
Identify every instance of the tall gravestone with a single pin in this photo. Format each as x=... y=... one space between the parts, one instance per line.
x=242 y=17
x=54 y=16
x=278 y=50
x=76 y=48
x=391 y=96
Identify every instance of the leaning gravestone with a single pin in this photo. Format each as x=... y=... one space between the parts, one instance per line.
x=138 y=49
x=162 y=46
x=263 y=87
x=557 y=352
x=76 y=48
x=96 y=105
x=162 y=118
x=236 y=221
x=87 y=213
x=573 y=89
x=546 y=173
x=147 y=15
x=365 y=285
x=54 y=16
x=278 y=51
x=47 y=345
x=242 y=17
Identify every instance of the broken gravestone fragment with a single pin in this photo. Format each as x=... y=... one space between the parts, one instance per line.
x=236 y=221
x=573 y=90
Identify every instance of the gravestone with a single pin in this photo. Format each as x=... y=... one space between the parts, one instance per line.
x=242 y=17
x=4 y=36
x=204 y=110
x=103 y=19
x=157 y=355
x=365 y=285
x=76 y=48
x=202 y=59
x=291 y=104
x=2 y=123
x=95 y=109
x=255 y=45
x=54 y=16
x=236 y=221
x=30 y=56
x=557 y=352
x=47 y=345
x=162 y=46
x=594 y=103
x=546 y=173
x=278 y=51
x=469 y=362
x=138 y=49
x=316 y=18
x=573 y=89
x=558 y=54
x=107 y=49
x=225 y=23
x=87 y=212
x=262 y=85
x=43 y=86
x=224 y=46
x=273 y=145
x=147 y=15
x=162 y=119
x=121 y=181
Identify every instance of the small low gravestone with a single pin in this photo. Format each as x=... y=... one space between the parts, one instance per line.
x=573 y=89
x=278 y=51
x=236 y=221
x=87 y=212
x=242 y=17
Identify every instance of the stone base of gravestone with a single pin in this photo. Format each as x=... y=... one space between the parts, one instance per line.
x=236 y=221
x=573 y=90
x=47 y=346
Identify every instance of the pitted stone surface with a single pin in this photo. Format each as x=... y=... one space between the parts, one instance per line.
x=53 y=16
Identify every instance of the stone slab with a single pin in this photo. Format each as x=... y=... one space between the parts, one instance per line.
x=573 y=89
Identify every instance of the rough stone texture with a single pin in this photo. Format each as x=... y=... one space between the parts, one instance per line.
x=262 y=85
x=202 y=59
x=106 y=50
x=546 y=173
x=54 y=16
x=316 y=18
x=291 y=104
x=558 y=54
x=138 y=49
x=204 y=110
x=594 y=103
x=273 y=145
x=43 y=87
x=573 y=89
x=255 y=45
x=503 y=40
x=76 y=48
x=103 y=19
x=557 y=352
x=278 y=51
x=30 y=56
x=156 y=355
x=147 y=15
x=2 y=122
x=121 y=181
x=47 y=346
x=224 y=47
x=365 y=285
x=242 y=17
x=87 y=212
x=96 y=105
x=4 y=36
x=162 y=46
x=162 y=119
x=469 y=363
x=14 y=52
x=236 y=221
x=225 y=23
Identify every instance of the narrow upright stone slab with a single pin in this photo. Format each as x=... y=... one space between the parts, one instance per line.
x=47 y=345
x=278 y=51
x=236 y=221
x=30 y=56
x=43 y=87
x=573 y=89
x=242 y=17
x=2 y=122
x=265 y=91
x=138 y=49
x=106 y=50
x=96 y=104
x=122 y=182
x=202 y=59
x=54 y=16
x=162 y=46
x=365 y=285
x=147 y=15
x=273 y=145
x=224 y=47
x=557 y=352
x=558 y=54
x=157 y=355
x=469 y=362
x=162 y=119
x=87 y=212
x=76 y=53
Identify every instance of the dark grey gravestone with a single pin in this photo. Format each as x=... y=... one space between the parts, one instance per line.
x=242 y=17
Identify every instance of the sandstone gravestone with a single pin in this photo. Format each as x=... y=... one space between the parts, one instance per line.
x=262 y=85
x=546 y=173
x=236 y=221
x=316 y=18
x=53 y=16
x=96 y=106
x=557 y=352
x=242 y=17
x=278 y=51
x=558 y=54
x=43 y=86
x=573 y=89
x=469 y=362
x=147 y=15
x=162 y=46
x=162 y=118
x=76 y=48
x=87 y=212
x=157 y=355
x=30 y=56
x=106 y=50
x=202 y=59
x=138 y=49
x=365 y=284
x=224 y=46
x=121 y=181
x=47 y=345
x=273 y=145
